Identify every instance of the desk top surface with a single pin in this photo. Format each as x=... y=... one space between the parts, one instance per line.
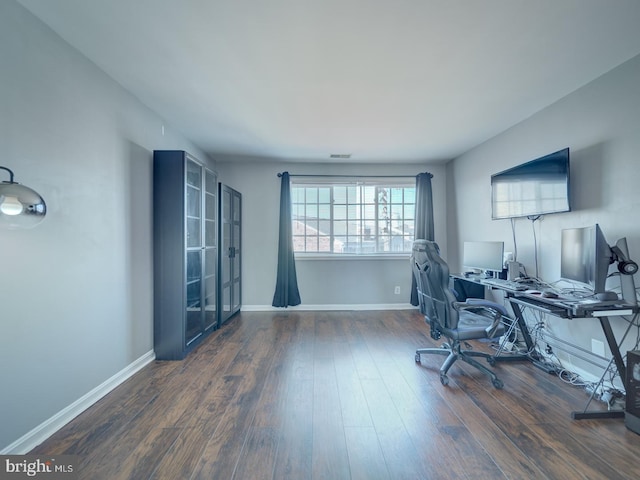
x=563 y=305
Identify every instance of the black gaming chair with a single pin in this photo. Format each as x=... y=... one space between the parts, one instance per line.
x=458 y=321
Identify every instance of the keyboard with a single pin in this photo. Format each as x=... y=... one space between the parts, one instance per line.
x=506 y=284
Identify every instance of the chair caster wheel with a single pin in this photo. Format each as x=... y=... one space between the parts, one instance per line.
x=497 y=383
x=444 y=380
x=491 y=361
x=417 y=358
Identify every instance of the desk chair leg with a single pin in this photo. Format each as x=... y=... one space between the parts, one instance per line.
x=443 y=350
x=452 y=353
x=491 y=360
x=494 y=379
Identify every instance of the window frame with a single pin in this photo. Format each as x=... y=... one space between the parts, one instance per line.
x=361 y=203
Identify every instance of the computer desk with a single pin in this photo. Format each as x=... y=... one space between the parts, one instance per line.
x=569 y=309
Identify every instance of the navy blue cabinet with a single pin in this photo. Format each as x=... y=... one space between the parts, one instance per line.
x=185 y=230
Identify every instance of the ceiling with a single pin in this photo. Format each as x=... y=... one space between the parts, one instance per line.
x=383 y=80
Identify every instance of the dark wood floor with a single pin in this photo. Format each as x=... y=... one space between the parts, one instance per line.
x=337 y=395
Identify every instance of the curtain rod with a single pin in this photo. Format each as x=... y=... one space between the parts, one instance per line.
x=357 y=176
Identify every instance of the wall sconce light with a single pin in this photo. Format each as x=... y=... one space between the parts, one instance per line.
x=20 y=206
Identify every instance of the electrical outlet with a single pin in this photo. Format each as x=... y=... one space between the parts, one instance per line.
x=396 y=290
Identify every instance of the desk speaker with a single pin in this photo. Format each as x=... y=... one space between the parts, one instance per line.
x=513 y=269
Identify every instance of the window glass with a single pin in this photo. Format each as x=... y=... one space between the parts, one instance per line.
x=357 y=218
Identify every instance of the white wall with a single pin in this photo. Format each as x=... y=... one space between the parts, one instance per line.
x=76 y=291
x=600 y=123
x=323 y=283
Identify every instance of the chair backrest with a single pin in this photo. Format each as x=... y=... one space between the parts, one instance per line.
x=432 y=279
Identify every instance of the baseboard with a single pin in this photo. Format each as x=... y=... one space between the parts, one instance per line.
x=39 y=434
x=349 y=307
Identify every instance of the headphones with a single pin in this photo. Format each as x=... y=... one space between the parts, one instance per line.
x=625 y=266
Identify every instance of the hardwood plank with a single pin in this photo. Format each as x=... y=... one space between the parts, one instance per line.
x=466 y=451
x=182 y=458
x=366 y=461
x=294 y=456
x=295 y=444
x=258 y=454
x=353 y=402
x=512 y=461
x=184 y=454
x=222 y=451
x=401 y=456
x=143 y=460
x=436 y=430
x=329 y=453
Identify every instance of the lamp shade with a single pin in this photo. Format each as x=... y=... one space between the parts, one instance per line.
x=20 y=206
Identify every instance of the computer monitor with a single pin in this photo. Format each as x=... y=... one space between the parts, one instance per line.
x=485 y=256
x=585 y=257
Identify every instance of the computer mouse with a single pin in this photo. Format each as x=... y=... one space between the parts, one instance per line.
x=549 y=294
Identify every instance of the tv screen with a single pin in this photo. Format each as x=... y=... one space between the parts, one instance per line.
x=535 y=188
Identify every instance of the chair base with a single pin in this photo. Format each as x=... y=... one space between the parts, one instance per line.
x=453 y=353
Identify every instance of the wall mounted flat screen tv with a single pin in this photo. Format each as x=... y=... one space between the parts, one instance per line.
x=535 y=188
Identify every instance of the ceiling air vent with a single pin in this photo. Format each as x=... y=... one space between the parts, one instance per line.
x=340 y=155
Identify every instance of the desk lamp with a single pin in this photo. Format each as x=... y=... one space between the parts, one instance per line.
x=20 y=206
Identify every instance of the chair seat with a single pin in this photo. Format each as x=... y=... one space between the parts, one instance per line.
x=471 y=326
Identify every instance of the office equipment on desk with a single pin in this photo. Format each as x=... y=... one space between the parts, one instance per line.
x=458 y=321
x=521 y=284
x=485 y=256
x=513 y=269
x=579 y=309
x=505 y=284
x=585 y=257
x=569 y=307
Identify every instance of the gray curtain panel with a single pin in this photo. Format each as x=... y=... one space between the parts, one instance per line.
x=286 y=293
x=424 y=219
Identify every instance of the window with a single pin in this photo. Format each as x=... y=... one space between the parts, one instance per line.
x=353 y=218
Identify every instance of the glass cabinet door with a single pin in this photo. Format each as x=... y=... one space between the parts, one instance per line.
x=194 y=305
x=225 y=252
x=211 y=252
x=194 y=251
x=211 y=210
x=194 y=205
x=237 y=254
x=230 y=252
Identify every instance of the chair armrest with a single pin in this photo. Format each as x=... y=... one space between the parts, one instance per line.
x=481 y=302
x=498 y=310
